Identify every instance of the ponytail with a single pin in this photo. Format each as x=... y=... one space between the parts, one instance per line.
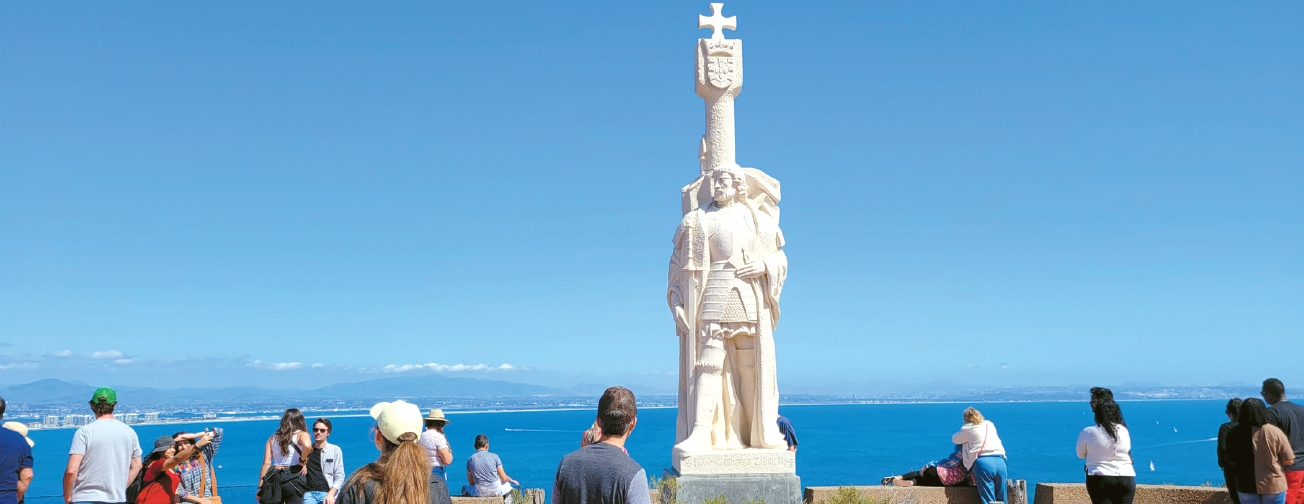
x=402 y=473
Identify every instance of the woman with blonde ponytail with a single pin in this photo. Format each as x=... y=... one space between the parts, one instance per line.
x=402 y=473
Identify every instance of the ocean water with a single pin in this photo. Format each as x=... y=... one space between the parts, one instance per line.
x=852 y=444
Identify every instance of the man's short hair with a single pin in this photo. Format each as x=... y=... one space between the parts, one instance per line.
x=326 y=422
x=1274 y=387
x=616 y=410
x=2 y=407
x=102 y=409
x=481 y=441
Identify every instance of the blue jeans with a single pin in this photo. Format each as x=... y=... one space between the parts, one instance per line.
x=1277 y=498
x=440 y=471
x=989 y=475
x=314 y=497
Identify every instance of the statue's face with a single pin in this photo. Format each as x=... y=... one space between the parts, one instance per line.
x=722 y=190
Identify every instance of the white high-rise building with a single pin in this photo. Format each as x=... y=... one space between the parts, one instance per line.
x=210 y=416
x=151 y=417
x=77 y=420
x=51 y=421
x=129 y=418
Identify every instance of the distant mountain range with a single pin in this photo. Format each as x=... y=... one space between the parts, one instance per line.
x=54 y=391
x=478 y=393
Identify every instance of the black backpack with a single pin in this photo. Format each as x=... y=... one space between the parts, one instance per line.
x=135 y=487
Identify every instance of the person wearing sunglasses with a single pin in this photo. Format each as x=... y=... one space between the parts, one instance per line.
x=325 y=466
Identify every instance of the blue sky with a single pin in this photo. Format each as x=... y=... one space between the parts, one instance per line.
x=1008 y=193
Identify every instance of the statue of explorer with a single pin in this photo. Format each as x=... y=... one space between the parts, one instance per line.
x=726 y=273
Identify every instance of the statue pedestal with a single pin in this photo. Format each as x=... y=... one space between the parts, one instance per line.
x=747 y=461
x=750 y=475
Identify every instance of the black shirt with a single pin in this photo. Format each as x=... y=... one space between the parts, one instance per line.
x=1289 y=417
x=350 y=494
x=1223 y=431
x=1240 y=456
x=316 y=479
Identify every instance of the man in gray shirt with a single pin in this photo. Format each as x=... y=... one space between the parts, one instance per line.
x=104 y=457
x=602 y=473
x=484 y=471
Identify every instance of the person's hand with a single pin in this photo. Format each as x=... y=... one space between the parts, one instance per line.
x=330 y=499
x=751 y=270
x=207 y=437
x=304 y=471
x=681 y=321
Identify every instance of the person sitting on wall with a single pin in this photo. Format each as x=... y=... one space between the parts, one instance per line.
x=946 y=472
x=484 y=472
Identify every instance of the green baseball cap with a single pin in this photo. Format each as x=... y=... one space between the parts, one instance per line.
x=104 y=395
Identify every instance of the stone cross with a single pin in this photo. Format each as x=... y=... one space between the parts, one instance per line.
x=716 y=22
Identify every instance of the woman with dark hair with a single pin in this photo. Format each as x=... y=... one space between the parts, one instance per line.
x=158 y=482
x=602 y=471
x=281 y=479
x=946 y=472
x=402 y=473
x=1099 y=394
x=1107 y=447
x=1232 y=411
x=1257 y=451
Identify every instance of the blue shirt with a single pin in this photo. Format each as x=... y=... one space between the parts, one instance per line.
x=789 y=435
x=15 y=456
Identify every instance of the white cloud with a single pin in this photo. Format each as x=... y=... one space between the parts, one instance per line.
x=440 y=368
x=107 y=354
x=62 y=353
x=318 y=365
x=276 y=366
x=123 y=361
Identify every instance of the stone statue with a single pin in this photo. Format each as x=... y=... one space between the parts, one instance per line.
x=726 y=273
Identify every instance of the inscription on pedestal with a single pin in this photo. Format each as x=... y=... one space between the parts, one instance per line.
x=737 y=462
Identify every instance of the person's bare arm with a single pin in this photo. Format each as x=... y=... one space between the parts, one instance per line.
x=469 y=478
x=70 y=476
x=24 y=480
x=134 y=470
x=185 y=454
x=267 y=463
x=502 y=476
x=305 y=448
x=445 y=455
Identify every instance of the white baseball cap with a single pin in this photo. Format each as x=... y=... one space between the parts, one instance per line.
x=393 y=419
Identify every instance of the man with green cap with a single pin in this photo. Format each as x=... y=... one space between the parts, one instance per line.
x=104 y=457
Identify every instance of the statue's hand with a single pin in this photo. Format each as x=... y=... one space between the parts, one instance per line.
x=681 y=322
x=751 y=270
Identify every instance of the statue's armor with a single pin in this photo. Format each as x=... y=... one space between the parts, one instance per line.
x=726 y=297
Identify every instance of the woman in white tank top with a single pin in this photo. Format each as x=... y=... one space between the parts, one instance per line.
x=284 y=452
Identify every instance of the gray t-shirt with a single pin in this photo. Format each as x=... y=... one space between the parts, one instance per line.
x=107 y=447
x=483 y=467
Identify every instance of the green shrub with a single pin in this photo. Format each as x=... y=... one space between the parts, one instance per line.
x=849 y=495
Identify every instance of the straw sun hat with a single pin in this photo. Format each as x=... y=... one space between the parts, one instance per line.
x=437 y=414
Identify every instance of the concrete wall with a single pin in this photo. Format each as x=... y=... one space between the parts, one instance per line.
x=1076 y=493
x=901 y=495
x=532 y=496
